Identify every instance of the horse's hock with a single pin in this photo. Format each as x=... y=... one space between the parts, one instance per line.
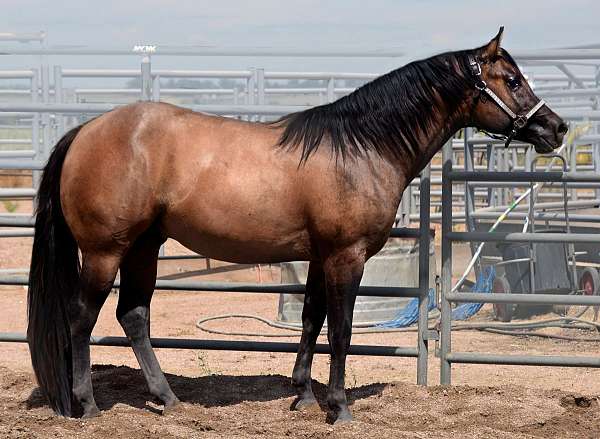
x=397 y=264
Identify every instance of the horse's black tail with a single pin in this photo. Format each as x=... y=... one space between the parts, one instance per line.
x=53 y=280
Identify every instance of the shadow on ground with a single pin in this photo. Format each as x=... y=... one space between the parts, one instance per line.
x=124 y=385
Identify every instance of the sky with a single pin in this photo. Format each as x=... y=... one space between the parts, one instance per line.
x=418 y=28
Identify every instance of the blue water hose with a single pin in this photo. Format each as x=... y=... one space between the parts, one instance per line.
x=409 y=315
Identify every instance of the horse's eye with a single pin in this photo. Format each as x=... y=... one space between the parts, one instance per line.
x=514 y=83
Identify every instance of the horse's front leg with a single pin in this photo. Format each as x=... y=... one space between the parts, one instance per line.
x=343 y=272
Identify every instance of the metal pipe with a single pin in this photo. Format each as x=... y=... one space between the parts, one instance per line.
x=45 y=85
x=523 y=360
x=17 y=153
x=321 y=75
x=523 y=184
x=552 y=176
x=422 y=322
x=543 y=216
x=16 y=233
x=17 y=193
x=526 y=299
x=35 y=125
x=230 y=345
x=16 y=74
x=58 y=98
x=445 y=306
x=164 y=91
x=579 y=204
x=24 y=164
x=101 y=73
x=522 y=237
x=260 y=88
x=145 y=70
x=241 y=287
x=232 y=74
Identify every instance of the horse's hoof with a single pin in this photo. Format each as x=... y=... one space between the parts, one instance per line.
x=344 y=417
x=173 y=407
x=306 y=405
x=90 y=413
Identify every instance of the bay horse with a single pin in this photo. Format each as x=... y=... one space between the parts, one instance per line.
x=321 y=185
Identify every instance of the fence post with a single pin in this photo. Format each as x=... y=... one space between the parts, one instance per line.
x=260 y=89
x=446 y=309
x=236 y=96
x=251 y=89
x=423 y=328
x=331 y=89
x=156 y=88
x=573 y=166
x=469 y=193
x=35 y=125
x=58 y=98
x=45 y=77
x=146 y=89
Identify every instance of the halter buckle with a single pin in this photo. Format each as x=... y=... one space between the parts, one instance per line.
x=481 y=85
x=475 y=67
x=520 y=122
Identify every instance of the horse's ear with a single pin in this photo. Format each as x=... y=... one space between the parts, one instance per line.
x=492 y=49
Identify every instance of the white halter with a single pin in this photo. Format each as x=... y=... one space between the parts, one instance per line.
x=518 y=120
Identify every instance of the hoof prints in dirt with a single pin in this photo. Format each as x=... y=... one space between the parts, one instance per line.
x=258 y=406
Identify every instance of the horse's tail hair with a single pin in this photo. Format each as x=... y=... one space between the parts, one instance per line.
x=53 y=280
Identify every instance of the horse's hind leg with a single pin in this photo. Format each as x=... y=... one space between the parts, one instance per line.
x=138 y=276
x=98 y=273
x=313 y=316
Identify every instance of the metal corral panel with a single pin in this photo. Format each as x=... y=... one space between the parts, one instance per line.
x=397 y=264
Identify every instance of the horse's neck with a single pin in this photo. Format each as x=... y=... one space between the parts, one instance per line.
x=443 y=127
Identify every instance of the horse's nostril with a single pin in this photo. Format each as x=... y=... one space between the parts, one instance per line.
x=562 y=128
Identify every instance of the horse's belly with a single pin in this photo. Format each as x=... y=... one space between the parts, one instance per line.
x=250 y=245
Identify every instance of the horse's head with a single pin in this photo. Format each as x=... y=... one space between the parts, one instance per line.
x=503 y=102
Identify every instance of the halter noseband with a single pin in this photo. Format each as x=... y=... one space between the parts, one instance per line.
x=518 y=120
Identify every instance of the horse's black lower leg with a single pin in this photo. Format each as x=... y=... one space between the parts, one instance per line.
x=313 y=316
x=138 y=276
x=343 y=273
x=97 y=276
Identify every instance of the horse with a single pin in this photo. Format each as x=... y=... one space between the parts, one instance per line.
x=321 y=185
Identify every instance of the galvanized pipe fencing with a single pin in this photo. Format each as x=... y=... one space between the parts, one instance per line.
x=420 y=352
x=447 y=357
x=254 y=95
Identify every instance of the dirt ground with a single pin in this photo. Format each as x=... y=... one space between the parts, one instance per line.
x=241 y=394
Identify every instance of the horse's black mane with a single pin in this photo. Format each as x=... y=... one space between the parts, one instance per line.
x=385 y=115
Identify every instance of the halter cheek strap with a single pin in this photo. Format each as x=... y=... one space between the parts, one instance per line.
x=519 y=121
